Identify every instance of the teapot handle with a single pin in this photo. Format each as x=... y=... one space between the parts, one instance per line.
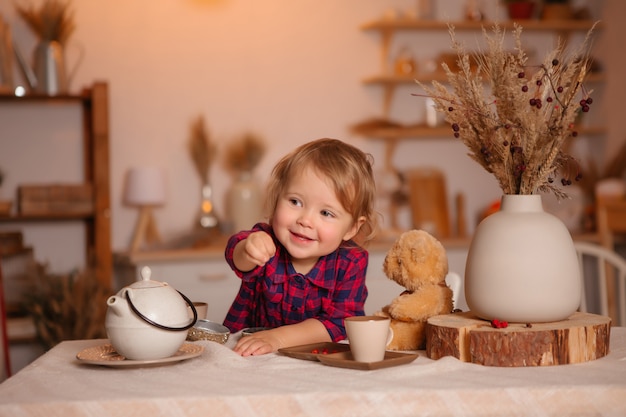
x=160 y=326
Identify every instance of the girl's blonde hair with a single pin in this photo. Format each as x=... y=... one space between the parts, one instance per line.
x=347 y=169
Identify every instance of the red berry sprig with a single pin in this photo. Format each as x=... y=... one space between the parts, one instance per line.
x=584 y=104
x=499 y=324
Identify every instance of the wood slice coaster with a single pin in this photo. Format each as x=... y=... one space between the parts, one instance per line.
x=580 y=338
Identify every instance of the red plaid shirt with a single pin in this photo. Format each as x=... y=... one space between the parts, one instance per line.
x=275 y=294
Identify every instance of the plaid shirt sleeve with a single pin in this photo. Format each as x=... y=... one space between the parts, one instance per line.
x=240 y=315
x=249 y=309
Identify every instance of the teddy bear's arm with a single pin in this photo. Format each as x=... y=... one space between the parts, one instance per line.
x=426 y=302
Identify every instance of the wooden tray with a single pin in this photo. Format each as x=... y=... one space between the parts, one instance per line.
x=345 y=360
x=313 y=351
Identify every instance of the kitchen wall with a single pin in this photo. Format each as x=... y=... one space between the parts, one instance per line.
x=289 y=71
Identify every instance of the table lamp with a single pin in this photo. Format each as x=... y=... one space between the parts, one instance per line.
x=145 y=189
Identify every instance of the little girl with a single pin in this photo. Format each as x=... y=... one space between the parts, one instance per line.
x=302 y=273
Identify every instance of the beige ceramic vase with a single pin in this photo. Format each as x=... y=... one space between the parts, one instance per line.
x=245 y=202
x=522 y=265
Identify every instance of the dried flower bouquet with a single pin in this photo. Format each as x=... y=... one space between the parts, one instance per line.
x=245 y=154
x=517 y=129
x=52 y=21
x=201 y=149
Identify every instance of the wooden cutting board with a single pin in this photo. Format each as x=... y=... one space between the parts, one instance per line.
x=580 y=338
x=428 y=201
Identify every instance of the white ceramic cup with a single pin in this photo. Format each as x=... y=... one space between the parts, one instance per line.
x=202 y=309
x=368 y=337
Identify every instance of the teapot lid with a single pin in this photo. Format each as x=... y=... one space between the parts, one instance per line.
x=145 y=281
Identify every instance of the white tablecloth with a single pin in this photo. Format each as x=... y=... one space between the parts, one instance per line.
x=221 y=383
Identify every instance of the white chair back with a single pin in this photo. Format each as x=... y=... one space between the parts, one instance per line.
x=596 y=263
x=455 y=283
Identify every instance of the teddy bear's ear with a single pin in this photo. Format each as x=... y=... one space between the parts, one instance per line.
x=392 y=263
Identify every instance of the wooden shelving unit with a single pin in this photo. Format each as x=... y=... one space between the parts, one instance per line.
x=388 y=27
x=389 y=81
x=391 y=133
x=94 y=102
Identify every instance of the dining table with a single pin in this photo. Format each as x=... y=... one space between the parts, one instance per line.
x=219 y=382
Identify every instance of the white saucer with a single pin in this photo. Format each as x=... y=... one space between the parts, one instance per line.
x=107 y=356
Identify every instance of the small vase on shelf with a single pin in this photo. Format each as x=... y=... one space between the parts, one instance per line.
x=556 y=10
x=522 y=265
x=520 y=9
x=244 y=202
x=244 y=199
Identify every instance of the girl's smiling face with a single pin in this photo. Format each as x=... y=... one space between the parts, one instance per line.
x=309 y=220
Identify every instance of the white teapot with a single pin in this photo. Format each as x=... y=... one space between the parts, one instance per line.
x=148 y=319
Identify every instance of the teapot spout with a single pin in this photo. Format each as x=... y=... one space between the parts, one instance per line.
x=114 y=303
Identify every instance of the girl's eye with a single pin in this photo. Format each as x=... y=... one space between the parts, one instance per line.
x=295 y=202
x=327 y=213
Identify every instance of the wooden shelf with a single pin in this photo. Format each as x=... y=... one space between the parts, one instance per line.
x=443 y=132
x=40 y=218
x=531 y=24
x=388 y=237
x=213 y=252
x=94 y=103
x=396 y=133
x=392 y=80
x=61 y=98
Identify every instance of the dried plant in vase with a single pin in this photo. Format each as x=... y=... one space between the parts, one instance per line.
x=518 y=129
x=66 y=306
x=244 y=154
x=52 y=21
x=203 y=152
x=244 y=196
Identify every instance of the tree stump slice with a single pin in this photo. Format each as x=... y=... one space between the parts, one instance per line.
x=580 y=338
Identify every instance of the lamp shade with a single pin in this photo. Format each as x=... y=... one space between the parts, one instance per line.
x=145 y=186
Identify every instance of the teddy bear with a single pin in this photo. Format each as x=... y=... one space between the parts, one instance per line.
x=418 y=262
